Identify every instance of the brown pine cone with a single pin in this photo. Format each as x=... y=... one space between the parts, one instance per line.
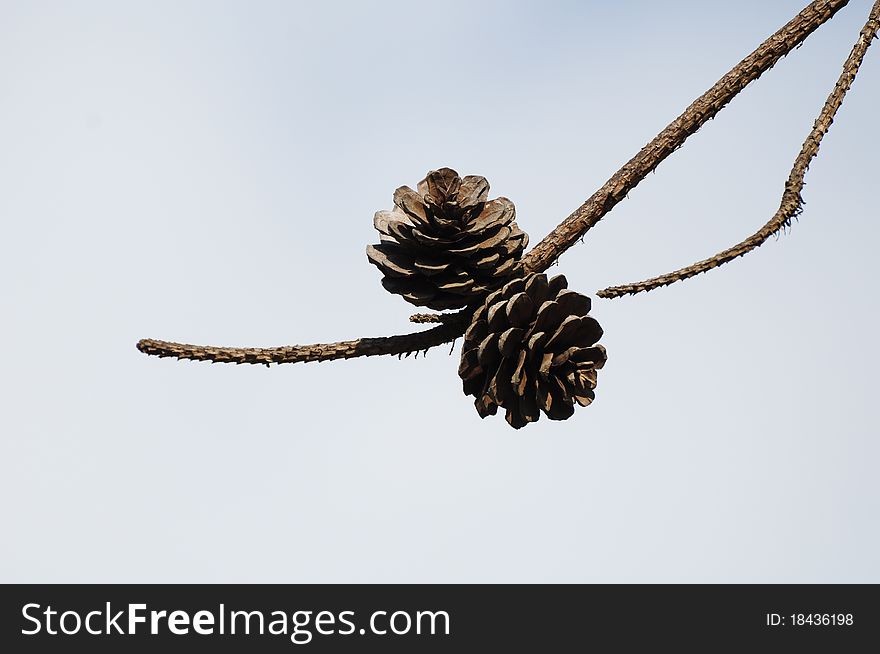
x=531 y=347
x=445 y=245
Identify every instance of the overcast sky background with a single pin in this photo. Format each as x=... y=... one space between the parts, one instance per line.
x=207 y=172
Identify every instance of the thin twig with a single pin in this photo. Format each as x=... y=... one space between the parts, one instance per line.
x=362 y=347
x=676 y=133
x=565 y=235
x=428 y=317
x=792 y=202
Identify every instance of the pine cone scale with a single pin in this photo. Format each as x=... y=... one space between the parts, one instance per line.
x=392 y=260
x=411 y=203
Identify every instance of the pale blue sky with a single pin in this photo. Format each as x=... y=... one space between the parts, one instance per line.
x=207 y=172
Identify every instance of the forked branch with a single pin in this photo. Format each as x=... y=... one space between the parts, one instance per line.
x=566 y=234
x=676 y=133
x=792 y=202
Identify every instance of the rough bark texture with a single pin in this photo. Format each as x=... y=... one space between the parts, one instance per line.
x=676 y=133
x=424 y=318
x=792 y=202
x=362 y=347
x=565 y=235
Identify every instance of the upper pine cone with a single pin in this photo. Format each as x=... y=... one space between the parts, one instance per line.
x=531 y=347
x=446 y=245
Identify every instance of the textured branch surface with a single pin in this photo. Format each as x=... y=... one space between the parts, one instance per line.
x=792 y=202
x=362 y=347
x=676 y=133
x=429 y=317
x=564 y=236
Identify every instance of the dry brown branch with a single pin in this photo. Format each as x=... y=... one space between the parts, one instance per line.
x=792 y=202
x=566 y=234
x=362 y=347
x=676 y=133
x=424 y=318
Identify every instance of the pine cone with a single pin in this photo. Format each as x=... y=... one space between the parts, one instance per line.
x=445 y=246
x=532 y=347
